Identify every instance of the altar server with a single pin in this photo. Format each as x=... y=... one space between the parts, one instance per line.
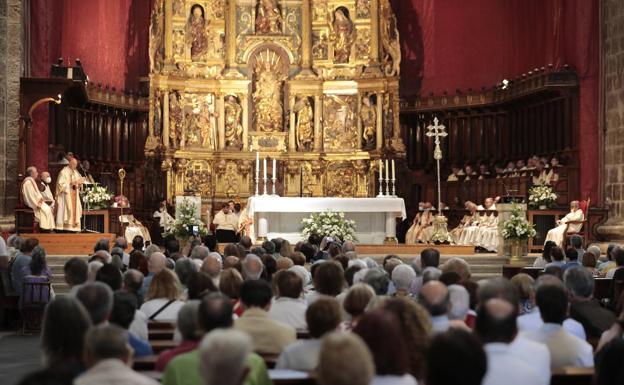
x=69 y=207
x=226 y=223
x=36 y=201
x=558 y=233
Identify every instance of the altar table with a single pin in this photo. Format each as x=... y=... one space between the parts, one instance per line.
x=277 y=217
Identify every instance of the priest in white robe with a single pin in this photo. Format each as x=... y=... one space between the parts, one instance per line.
x=36 y=201
x=465 y=222
x=69 y=208
x=558 y=234
x=487 y=237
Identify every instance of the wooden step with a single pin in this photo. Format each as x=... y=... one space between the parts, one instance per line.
x=69 y=244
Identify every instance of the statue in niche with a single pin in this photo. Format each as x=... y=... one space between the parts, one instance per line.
x=305 y=124
x=175 y=116
x=198 y=28
x=233 y=124
x=339 y=122
x=268 y=17
x=267 y=97
x=192 y=129
x=342 y=35
x=319 y=47
x=157 y=30
x=157 y=114
x=204 y=122
x=389 y=36
x=368 y=115
x=178 y=7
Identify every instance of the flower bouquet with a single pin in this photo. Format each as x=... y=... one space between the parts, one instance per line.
x=329 y=224
x=97 y=197
x=187 y=223
x=541 y=196
x=517 y=227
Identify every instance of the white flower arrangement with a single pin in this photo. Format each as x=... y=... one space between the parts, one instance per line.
x=97 y=197
x=182 y=226
x=329 y=224
x=517 y=226
x=541 y=195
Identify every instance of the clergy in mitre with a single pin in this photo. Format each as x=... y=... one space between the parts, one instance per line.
x=465 y=222
x=68 y=206
x=36 y=201
x=567 y=224
x=422 y=229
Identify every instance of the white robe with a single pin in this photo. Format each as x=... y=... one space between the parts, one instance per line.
x=557 y=234
x=488 y=233
x=69 y=208
x=36 y=201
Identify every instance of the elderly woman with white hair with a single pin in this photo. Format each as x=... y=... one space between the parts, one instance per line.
x=571 y=223
x=402 y=278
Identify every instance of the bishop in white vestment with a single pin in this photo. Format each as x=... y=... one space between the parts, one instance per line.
x=557 y=234
x=36 y=201
x=69 y=208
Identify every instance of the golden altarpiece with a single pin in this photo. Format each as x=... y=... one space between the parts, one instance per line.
x=312 y=83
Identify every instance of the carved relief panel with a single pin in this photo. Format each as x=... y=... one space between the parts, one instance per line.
x=339 y=121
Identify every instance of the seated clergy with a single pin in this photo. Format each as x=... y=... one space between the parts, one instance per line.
x=44 y=187
x=36 y=201
x=487 y=236
x=465 y=221
x=557 y=234
x=226 y=223
x=422 y=229
x=468 y=236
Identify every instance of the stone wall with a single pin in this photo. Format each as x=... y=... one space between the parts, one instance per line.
x=10 y=72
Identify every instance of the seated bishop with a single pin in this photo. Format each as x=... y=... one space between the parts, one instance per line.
x=36 y=201
x=422 y=229
x=571 y=223
x=465 y=221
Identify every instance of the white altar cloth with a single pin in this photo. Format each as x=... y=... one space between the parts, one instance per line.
x=375 y=218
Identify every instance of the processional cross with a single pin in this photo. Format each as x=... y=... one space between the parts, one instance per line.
x=437 y=131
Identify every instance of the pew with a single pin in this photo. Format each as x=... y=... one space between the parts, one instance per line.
x=160 y=345
x=572 y=376
x=291 y=377
x=146 y=363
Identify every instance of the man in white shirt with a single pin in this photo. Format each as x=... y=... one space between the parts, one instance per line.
x=109 y=357
x=288 y=305
x=226 y=223
x=496 y=326
x=565 y=349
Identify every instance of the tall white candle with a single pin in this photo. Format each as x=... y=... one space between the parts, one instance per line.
x=265 y=168
x=380 y=170
x=393 y=171
x=387 y=171
x=274 y=168
x=257 y=163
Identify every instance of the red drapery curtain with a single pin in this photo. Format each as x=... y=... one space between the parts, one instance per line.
x=451 y=44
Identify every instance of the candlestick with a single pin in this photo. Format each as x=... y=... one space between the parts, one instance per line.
x=265 y=168
x=257 y=163
x=274 y=168
x=265 y=177
x=380 y=179
x=387 y=170
x=393 y=171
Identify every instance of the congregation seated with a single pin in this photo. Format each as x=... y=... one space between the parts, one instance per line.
x=288 y=306
x=32 y=276
x=123 y=314
x=162 y=301
x=187 y=325
x=542 y=170
x=22 y=260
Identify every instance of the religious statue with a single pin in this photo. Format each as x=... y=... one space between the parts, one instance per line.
x=192 y=129
x=156 y=33
x=340 y=122
x=198 y=35
x=178 y=7
x=175 y=116
x=268 y=17
x=305 y=124
x=389 y=35
x=369 y=123
x=342 y=35
x=267 y=96
x=233 y=125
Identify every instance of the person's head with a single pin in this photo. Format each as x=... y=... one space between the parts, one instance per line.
x=610 y=248
x=138 y=243
x=378 y=279
x=231 y=205
x=579 y=282
x=198 y=284
x=172 y=245
x=124 y=308
x=546 y=251
x=256 y=293
x=210 y=241
x=333 y=369
x=252 y=267
x=230 y=366
x=32 y=172
x=212 y=265
x=156 y=262
x=449 y=278
x=199 y=252
x=329 y=278
x=381 y=331
x=165 y=284
x=187 y=320
x=183 y=269
x=289 y=284
x=524 y=285
x=269 y=247
x=73 y=162
x=245 y=241
x=97 y=298
x=489 y=202
x=429 y=257
x=132 y=280
x=230 y=283
x=431 y=274
x=589 y=260
x=465 y=352
x=232 y=262
x=76 y=271
x=609 y=369
x=102 y=244
x=284 y=263
x=14 y=241
x=225 y=208
x=65 y=322
x=390 y=263
x=138 y=261
x=106 y=342
x=496 y=321
x=402 y=277
x=576 y=241
x=552 y=302
x=571 y=255
x=285 y=248
x=618 y=256
x=298 y=258
x=214 y=312
x=434 y=296
x=323 y=316
x=28 y=245
x=308 y=250
x=457 y=265
x=357 y=299
x=348 y=246
x=557 y=254
x=460 y=302
x=498 y=287
x=38 y=260
x=109 y=275
x=121 y=242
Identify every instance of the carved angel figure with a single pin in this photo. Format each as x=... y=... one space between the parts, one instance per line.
x=305 y=124
x=342 y=35
x=268 y=17
x=233 y=126
x=197 y=27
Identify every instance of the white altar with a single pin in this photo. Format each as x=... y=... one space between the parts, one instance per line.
x=375 y=218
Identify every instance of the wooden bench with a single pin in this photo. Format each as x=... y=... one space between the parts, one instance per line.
x=572 y=376
x=160 y=345
x=146 y=363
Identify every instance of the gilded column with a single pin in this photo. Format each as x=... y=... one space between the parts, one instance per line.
x=165 y=122
x=230 y=42
x=245 y=103
x=291 y=128
x=306 y=40
x=359 y=121
x=168 y=32
x=374 y=15
x=221 y=125
x=317 y=122
x=379 y=140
